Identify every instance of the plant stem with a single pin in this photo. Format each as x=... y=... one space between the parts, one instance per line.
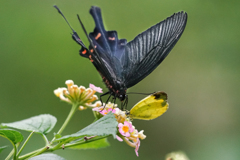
x=25 y=143
x=72 y=111
x=45 y=139
x=39 y=152
x=29 y=154
x=58 y=146
x=84 y=142
x=46 y=148
x=13 y=152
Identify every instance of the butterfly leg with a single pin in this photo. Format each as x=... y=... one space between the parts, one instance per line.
x=106 y=102
x=114 y=99
x=103 y=95
x=125 y=102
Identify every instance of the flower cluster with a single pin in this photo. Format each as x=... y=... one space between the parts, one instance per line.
x=127 y=131
x=84 y=98
x=79 y=95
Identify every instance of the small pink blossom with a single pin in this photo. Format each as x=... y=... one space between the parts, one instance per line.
x=106 y=111
x=118 y=138
x=97 y=89
x=137 y=146
x=115 y=110
x=125 y=129
x=97 y=109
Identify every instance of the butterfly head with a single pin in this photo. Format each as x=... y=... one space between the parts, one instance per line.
x=122 y=96
x=119 y=90
x=119 y=93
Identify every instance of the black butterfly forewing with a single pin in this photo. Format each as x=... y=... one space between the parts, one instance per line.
x=147 y=50
x=122 y=64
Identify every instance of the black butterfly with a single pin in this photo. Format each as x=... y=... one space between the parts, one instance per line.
x=122 y=64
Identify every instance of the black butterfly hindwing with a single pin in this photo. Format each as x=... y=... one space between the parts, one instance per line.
x=108 y=48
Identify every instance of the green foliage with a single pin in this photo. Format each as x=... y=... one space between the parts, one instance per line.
x=2 y=148
x=57 y=135
x=11 y=135
x=101 y=143
x=94 y=135
x=42 y=124
x=106 y=125
x=47 y=156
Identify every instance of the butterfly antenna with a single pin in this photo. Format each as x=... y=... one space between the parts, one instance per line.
x=140 y=93
x=85 y=31
x=74 y=34
x=60 y=12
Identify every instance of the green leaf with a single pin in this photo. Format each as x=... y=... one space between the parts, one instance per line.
x=47 y=156
x=11 y=135
x=2 y=148
x=40 y=124
x=57 y=135
x=104 y=126
x=102 y=143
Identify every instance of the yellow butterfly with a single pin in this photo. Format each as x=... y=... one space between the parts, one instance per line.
x=150 y=107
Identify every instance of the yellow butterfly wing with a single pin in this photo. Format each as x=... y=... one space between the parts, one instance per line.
x=150 y=107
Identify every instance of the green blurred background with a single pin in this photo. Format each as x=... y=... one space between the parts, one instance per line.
x=200 y=75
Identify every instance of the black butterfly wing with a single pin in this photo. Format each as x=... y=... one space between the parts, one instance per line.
x=147 y=50
x=108 y=49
